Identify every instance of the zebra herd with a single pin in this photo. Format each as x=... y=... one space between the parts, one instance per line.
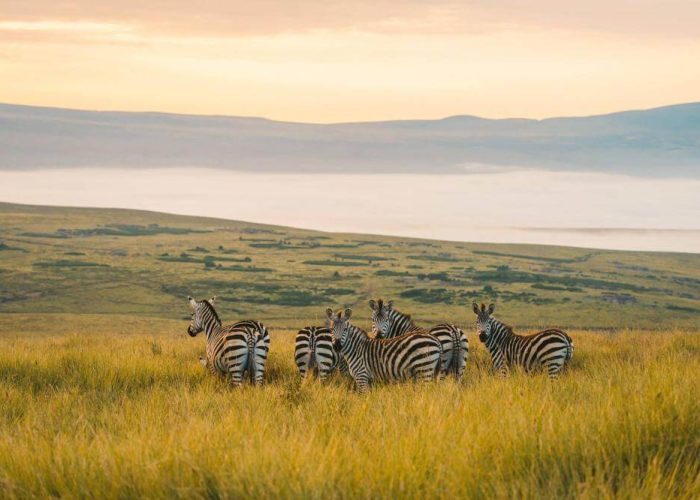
x=398 y=350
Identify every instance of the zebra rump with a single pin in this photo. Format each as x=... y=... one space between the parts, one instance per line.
x=455 y=348
x=241 y=350
x=233 y=350
x=313 y=351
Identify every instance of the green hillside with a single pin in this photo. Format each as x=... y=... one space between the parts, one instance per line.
x=126 y=262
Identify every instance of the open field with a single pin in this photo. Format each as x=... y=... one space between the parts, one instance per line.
x=103 y=395
x=134 y=414
x=98 y=261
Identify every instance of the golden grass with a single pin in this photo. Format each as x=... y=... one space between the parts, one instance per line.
x=134 y=415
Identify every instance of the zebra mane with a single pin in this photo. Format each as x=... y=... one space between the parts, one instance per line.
x=503 y=325
x=407 y=316
x=212 y=310
x=357 y=329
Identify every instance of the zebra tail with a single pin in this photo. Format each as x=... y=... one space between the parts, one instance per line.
x=251 y=358
x=456 y=348
x=570 y=351
x=311 y=357
x=438 y=366
x=569 y=348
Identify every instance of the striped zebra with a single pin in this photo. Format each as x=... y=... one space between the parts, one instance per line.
x=314 y=351
x=413 y=356
x=232 y=350
x=387 y=323
x=550 y=349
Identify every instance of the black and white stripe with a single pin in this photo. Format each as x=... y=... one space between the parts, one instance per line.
x=232 y=350
x=314 y=352
x=549 y=349
x=387 y=323
x=412 y=356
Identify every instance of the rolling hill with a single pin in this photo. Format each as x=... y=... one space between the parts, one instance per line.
x=143 y=264
x=657 y=142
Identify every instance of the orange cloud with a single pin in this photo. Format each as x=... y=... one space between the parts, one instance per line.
x=264 y=17
x=306 y=60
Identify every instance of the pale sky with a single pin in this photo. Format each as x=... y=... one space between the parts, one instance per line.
x=350 y=60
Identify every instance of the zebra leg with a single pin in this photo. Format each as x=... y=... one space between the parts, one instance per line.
x=362 y=384
x=461 y=364
x=258 y=372
x=259 y=358
x=458 y=363
x=260 y=376
x=430 y=373
x=461 y=357
x=444 y=363
x=439 y=374
x=361 y=378
x=499 y=363
x=343 y=367
x=311 y=366
x=501 y=368
x=306 y=375
x=553 y=369
x=236 y=375
x=324 y=370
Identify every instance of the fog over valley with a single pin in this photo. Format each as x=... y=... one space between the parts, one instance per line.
x=517 y=206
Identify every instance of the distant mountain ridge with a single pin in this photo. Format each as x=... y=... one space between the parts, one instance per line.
x=660 y=142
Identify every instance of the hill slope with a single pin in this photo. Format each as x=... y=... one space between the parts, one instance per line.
x=661 y=142
x=102 y=261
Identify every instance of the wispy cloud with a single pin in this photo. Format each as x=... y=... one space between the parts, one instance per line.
x=336 y=60
x=676 y=18
x=61 y=26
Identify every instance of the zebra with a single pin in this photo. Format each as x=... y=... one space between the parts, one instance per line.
x=233 y=349
x=550 y=349
x=412 y=356
x=387 y=322
x=314 y=351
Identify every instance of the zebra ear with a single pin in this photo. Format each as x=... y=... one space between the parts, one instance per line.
x=192 y=302
x=212 y=300
x=372 y=305
x=491 y=308
x=348 y=313
x=390 y=304
x=329 y=313
x=475 y=307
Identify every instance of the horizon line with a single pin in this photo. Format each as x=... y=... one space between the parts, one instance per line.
x=358 y=122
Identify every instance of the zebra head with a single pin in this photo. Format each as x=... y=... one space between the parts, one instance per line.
x=381 y=317
x=339 y=323
x=483 y=320
x=202 y=314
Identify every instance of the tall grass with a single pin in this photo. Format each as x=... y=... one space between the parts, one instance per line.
x=126 y=415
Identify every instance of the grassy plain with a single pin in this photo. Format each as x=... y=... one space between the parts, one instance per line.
x=123 y=415
x=102 y=393
x=97 y=261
